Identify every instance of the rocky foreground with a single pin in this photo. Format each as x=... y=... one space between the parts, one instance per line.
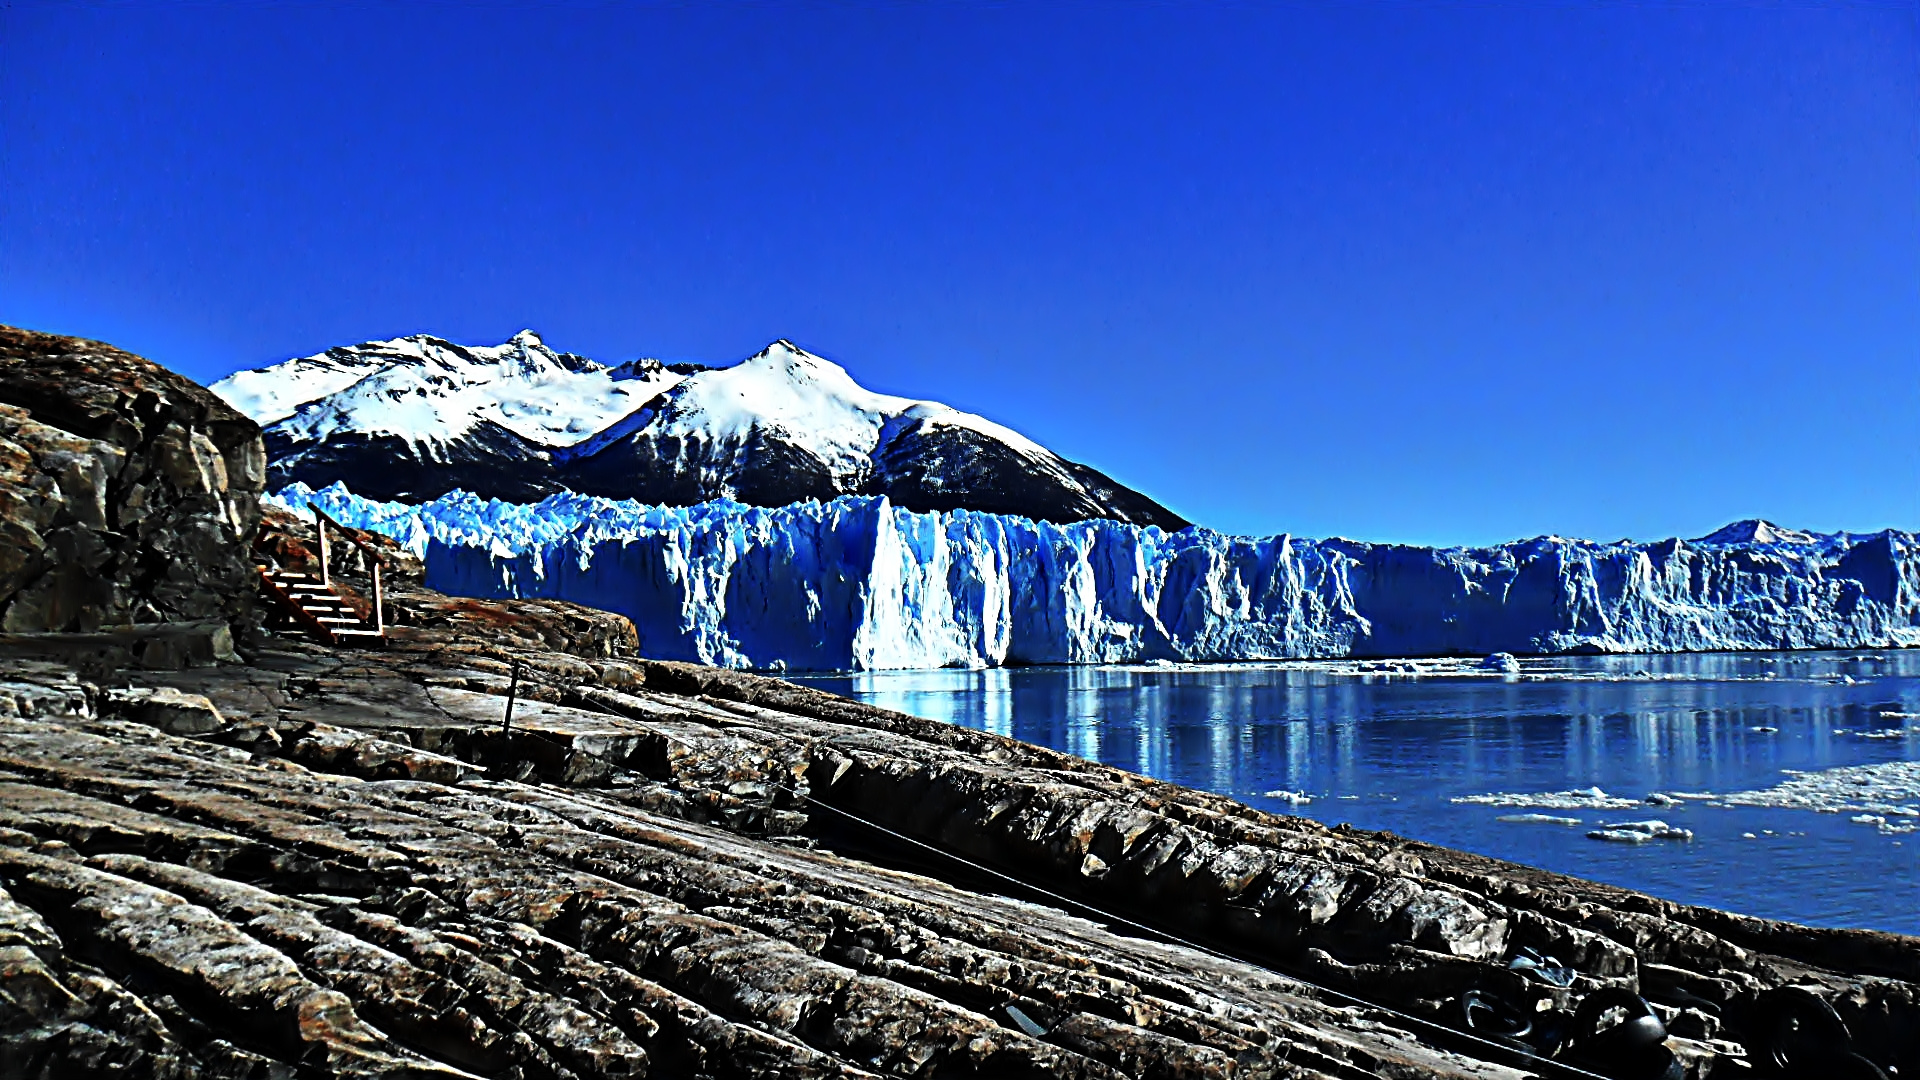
x=228 y=852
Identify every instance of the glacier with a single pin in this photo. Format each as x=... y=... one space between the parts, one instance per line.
x=859 y=583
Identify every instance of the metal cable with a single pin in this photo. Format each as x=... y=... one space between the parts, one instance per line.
x=1499 y=1052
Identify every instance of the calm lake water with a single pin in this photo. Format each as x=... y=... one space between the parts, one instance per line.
x=1394 y=749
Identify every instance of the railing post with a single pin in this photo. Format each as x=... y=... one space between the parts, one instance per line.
x=320 y=529
x=513 y=689
x=379 y=616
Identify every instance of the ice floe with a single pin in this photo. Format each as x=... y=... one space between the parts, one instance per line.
x=1888 y=788
x=1543 y=819
x=1639 y=832
x=1578 y=799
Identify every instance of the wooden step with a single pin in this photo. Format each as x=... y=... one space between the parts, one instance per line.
x=321 y=607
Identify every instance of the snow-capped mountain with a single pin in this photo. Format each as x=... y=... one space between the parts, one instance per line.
x=417 y=417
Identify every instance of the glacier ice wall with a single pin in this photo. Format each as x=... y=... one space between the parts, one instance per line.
x=859 y=583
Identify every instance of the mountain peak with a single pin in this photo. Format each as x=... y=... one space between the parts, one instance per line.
x=781 y=347
x=784 y=354
x=526 y=339
x=1756 y=531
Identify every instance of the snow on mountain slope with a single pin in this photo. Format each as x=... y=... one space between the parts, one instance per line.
x=417 y=417
x=806 y=400
x=271 y=394
x=786 y=425
x=862 y=583
x=425 y=390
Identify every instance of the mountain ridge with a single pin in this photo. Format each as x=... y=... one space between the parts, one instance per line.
x=419 y=416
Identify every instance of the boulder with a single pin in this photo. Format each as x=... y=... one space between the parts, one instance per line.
x=128 y=494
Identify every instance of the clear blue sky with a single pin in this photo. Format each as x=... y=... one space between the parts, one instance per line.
x=1434 y=271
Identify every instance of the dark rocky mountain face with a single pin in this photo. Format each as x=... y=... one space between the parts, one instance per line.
x=937 y=467
x=762 y=470
x=128 y=494
x=489 y=460
x=926 y=468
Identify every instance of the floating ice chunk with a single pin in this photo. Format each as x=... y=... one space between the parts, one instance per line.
x=1620 y=836
x=1578 y=799
x=1660 y=799
x=1889 y=788
x=1639 y=832
x=1763 y=729
x=1868 y=819
x=1503 y=662
x=1543 y=819
x=1291 y=798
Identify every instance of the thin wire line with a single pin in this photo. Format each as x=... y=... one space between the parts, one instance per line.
x=1500 y=1051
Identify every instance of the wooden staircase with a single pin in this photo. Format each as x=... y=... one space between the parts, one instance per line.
x=319 y=608
x=316 y=603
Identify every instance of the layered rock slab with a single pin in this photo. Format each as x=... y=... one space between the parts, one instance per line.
x=640 y=876
x=344 y=902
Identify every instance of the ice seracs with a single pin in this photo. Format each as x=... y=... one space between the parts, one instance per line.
x=859 y=582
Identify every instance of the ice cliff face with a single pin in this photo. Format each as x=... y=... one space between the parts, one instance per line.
x=861 y=583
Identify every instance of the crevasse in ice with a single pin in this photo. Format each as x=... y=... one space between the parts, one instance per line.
x=859 y=583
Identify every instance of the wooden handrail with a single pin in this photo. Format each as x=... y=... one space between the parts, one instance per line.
x=321 y=519
x=352 y=534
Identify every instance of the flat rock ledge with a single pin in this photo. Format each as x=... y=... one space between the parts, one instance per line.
x=317 y=863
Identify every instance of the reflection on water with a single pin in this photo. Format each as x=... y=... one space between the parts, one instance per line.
x=1389 y=750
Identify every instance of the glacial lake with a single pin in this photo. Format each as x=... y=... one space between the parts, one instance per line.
x=1396 y=745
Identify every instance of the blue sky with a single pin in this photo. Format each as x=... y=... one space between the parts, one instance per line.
x=1437 y=272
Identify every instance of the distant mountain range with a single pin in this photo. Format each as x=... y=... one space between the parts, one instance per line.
x=416 y=417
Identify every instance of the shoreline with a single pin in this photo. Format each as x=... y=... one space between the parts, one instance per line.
x=719 y=766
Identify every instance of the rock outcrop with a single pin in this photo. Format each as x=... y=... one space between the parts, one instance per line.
x=127 y=493
x=352 y=863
